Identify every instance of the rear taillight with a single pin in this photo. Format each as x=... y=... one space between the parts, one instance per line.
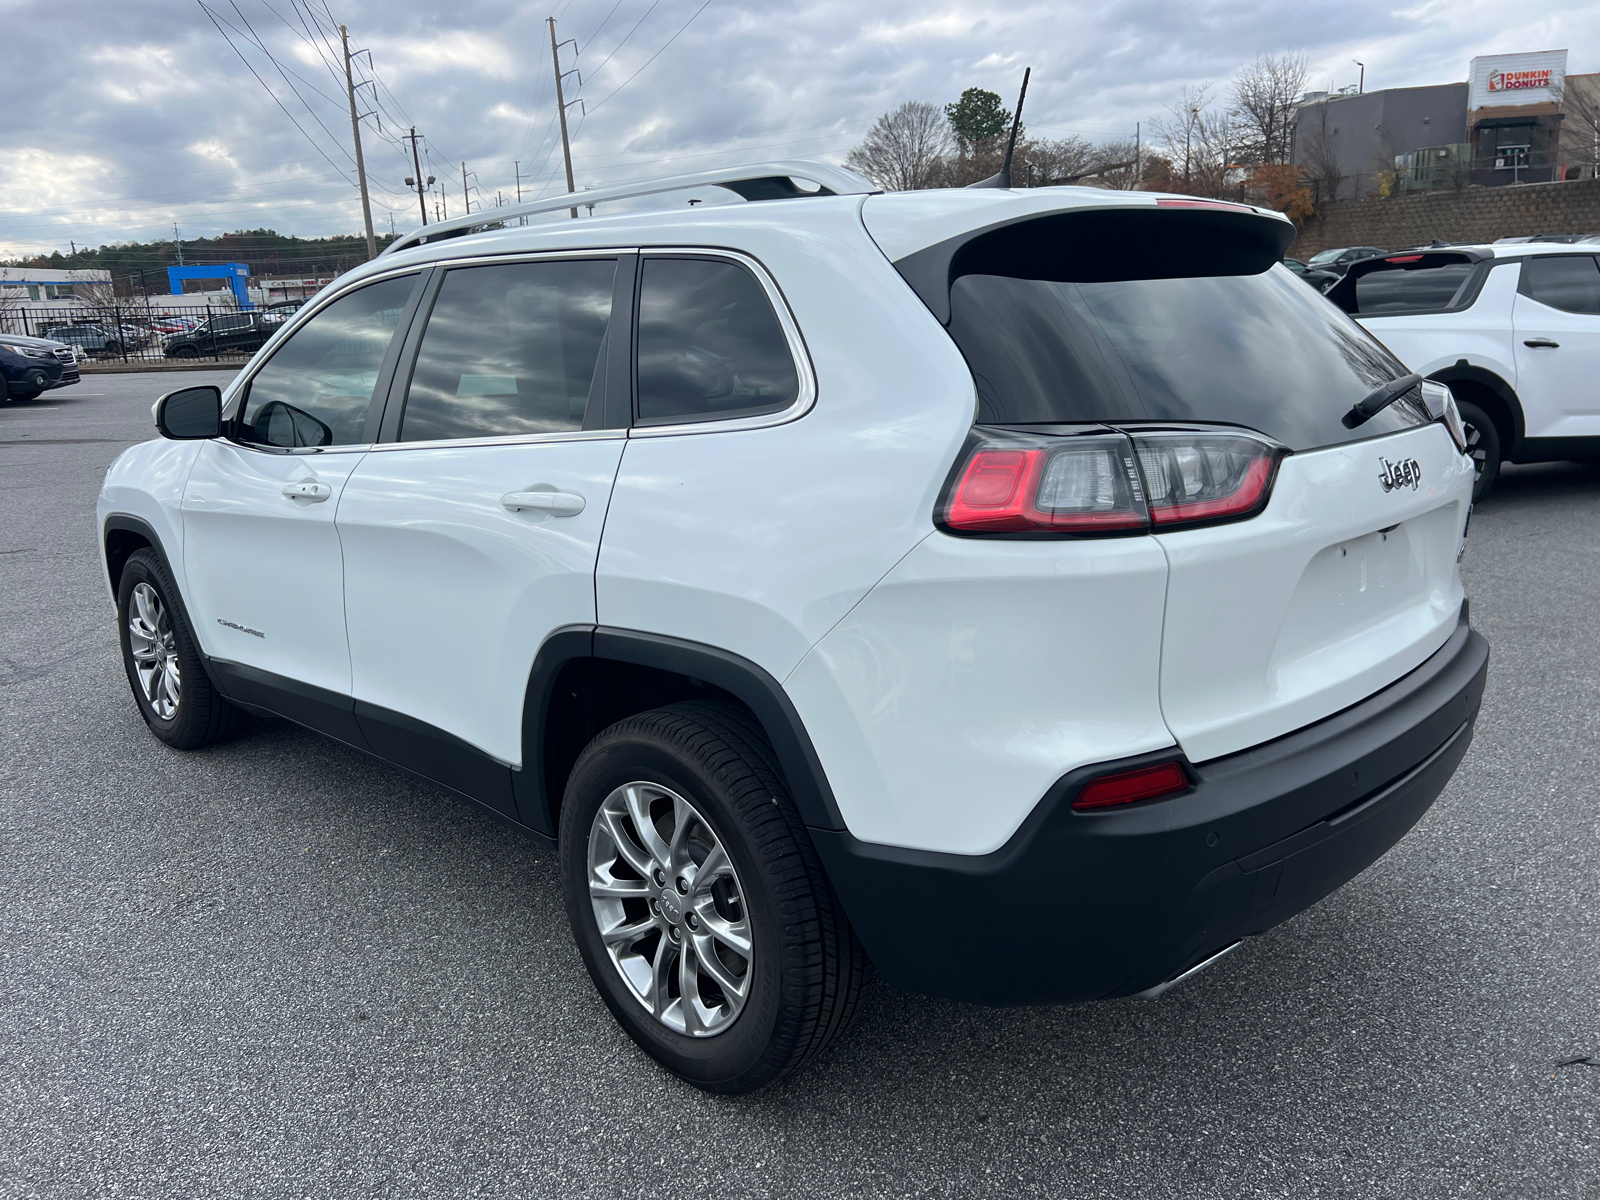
x=1195 y=478
x=1106 y=483
x=1066 y=485
x=1129 y=787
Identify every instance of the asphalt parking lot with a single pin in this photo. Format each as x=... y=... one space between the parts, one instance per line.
x=280 y=968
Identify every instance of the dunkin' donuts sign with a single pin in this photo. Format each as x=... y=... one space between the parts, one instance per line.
x=1508 y=79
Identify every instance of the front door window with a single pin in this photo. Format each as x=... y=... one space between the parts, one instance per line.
x=317 y=387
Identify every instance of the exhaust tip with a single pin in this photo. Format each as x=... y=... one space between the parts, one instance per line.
x=1152 y=993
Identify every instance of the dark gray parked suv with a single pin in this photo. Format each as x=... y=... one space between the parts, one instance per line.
x=232 y=333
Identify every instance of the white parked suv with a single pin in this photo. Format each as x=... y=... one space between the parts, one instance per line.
x=1513 y=329
x=934 y=579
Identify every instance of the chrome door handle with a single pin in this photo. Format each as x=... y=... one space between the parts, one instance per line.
x=307 y=490
x=557 y=504
x=1546 y=343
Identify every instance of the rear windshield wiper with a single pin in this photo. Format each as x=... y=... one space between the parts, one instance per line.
x=1380 y=399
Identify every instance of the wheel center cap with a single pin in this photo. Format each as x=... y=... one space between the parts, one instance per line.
x=671 y=905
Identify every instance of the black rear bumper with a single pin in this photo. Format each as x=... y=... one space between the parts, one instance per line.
x=1081 y=906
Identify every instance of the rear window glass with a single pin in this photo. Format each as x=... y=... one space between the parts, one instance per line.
x=1571 y=284
x=1262 y=351
x=1419 y=289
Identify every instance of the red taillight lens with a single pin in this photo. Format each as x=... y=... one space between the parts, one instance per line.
x=1085 y=484
x=1196 y=477
x=1107 y=483
x=1127 y=787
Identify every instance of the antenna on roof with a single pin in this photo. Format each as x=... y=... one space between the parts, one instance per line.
x=1002 y=178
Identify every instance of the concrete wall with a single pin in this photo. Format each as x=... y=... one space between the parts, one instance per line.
x=1473 y=215
x=1381 y=124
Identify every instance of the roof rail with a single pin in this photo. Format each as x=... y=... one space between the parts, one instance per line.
x=761 y=181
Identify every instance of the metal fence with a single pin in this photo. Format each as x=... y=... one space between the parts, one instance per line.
x=138 y=332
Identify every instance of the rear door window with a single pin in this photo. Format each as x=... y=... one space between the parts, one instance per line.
x=1570 y=283
x=1263 y=351
x=1404 y=289
x=710 y=345
x=511 y=349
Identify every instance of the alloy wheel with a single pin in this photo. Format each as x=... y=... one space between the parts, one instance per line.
x=670 y=909
x=155 y=651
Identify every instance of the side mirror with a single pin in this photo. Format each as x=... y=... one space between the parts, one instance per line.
x=189 y=413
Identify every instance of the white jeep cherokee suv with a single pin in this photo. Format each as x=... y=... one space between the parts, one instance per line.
x=929 y=578
x=1514 y=330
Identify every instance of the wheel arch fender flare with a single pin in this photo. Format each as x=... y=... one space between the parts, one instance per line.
x=1464 y=372
x=116 y=551
x=537 y=784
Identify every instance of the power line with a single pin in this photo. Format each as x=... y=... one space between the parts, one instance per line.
x=653 y=57
x=270 y=92
x=625 y=38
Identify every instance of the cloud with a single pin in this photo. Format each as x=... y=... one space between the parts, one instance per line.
x=121 y=118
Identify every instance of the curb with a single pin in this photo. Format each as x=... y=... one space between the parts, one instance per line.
x=135 y=368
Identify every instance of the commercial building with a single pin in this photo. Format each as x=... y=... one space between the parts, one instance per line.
x=37 y=287
x=1347 y=143
x=1518 y=118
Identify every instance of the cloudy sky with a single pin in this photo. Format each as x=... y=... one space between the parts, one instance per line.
x=123 y=116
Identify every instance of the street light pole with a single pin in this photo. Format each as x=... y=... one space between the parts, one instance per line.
x=1361 y=87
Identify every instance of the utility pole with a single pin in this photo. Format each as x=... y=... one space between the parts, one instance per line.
x=466 y=198
x=178 y=238
x=1136 y=175
x=416 y=180
x=355 y=131
x=517 y=167
x=561 y=111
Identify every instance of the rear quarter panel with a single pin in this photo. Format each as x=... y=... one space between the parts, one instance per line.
x=759 y=541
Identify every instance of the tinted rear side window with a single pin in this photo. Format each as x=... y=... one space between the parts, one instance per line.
x=1263 y=351
x=1571 y=284
x=509 y=350
x=1399 y=290
x=710 y=345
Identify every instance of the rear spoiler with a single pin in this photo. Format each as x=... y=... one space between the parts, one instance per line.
x=1343 y=293
x=1175 y=238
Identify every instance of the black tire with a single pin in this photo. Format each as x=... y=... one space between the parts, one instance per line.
x=19 y=391
x=201 y=716
x=1483 y=444
x=183 y=352
x=806 y=966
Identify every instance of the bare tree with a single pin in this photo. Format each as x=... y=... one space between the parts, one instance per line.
x=1201 y=140
x=1264 y=98
x=1118 y=166
x=1580 y=126
x=905 y=149
x=1057 y=160
x=1323 y=170
x=1388 y=173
